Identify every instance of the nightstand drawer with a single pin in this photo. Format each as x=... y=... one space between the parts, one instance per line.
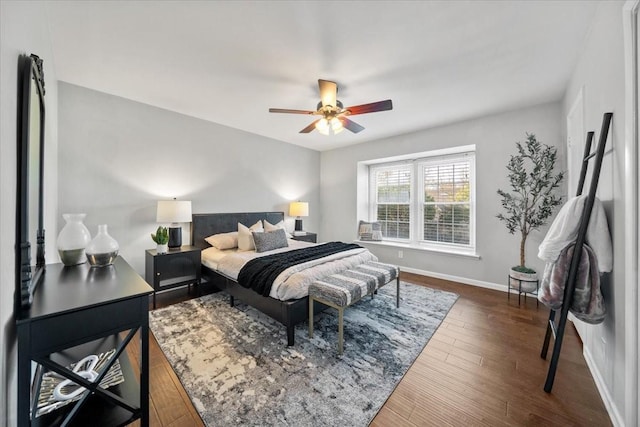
x=179 y=266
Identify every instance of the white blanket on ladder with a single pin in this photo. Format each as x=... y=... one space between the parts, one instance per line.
x=564 y=231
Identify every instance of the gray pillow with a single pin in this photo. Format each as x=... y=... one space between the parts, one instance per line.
x=270 y=240
x=369 y=230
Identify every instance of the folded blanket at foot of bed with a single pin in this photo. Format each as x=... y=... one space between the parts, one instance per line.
x=259 y=273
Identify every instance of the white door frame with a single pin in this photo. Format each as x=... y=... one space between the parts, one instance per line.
x=631 y=211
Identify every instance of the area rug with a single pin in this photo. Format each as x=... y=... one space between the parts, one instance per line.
x=237 y=369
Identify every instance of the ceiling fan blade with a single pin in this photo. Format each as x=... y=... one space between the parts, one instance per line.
x=328 y=92
x=370 y=108
x=351 y=125
x=285 y=110
x=311 y=127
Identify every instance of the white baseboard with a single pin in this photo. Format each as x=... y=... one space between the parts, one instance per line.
x=466 y=281
x=612 y=409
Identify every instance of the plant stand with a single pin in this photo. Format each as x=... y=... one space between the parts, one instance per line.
x=517 y=283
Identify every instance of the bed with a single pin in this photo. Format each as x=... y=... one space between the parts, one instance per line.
x=288 y=311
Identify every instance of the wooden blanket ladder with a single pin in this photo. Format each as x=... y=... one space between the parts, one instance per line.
x=558 y=331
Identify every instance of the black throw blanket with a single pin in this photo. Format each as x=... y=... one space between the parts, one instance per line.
x=259 y=273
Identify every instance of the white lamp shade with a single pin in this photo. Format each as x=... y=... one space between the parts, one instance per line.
x=299 y=209
x=174 y=211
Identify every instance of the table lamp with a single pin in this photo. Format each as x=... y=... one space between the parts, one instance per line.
x=298 y=209
x=174 y=212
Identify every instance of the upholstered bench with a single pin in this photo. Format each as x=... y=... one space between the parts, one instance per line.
x=340 y=290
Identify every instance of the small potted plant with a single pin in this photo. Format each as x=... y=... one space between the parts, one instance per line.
x=162 y=239
x=531 y=201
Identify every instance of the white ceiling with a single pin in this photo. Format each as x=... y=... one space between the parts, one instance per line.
x=229 y=61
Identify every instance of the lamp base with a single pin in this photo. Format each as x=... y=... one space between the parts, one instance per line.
x=175 y=237
x=298 y=226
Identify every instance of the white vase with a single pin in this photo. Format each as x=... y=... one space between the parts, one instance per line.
x=103 y=249
x=162 y=249
x=525 y=282
x=73 y=239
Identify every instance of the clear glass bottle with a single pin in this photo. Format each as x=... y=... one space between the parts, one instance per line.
x=103 y=249
x=73 y=239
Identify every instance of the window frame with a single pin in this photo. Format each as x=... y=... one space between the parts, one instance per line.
x=416 y=165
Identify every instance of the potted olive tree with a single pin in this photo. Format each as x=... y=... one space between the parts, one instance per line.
x=531 y=200
x=162 y=239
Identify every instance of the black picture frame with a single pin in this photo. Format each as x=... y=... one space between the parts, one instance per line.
x=30 y=182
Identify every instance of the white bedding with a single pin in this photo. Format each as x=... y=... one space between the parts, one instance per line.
x=294 y=282
x=212 y=256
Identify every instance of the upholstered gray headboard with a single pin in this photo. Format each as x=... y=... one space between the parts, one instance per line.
x=205 y=225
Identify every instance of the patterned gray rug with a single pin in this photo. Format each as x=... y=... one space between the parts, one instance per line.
x=236 y=367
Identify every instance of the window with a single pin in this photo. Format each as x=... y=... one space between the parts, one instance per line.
x=427 y=200
x=393 y=200
x=447 y=202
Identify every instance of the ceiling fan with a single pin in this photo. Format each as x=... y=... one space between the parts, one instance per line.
x=334 y=116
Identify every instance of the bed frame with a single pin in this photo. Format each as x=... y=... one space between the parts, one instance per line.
x=289 y=313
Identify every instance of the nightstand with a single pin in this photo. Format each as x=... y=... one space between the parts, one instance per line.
x=309 y=237
x=178 y=267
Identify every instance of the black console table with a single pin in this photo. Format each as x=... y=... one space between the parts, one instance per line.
x=78 y=311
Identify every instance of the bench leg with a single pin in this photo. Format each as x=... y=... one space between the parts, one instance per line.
x=398 y=291
x=340 y=330
x=310 y=317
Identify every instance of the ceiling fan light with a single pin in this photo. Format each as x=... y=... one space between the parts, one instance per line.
x=336 y=125
x=323 y=126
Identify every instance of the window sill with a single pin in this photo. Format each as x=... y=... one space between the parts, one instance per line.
x=442 y=251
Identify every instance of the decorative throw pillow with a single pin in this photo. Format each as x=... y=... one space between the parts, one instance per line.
x=369 y=231
x=245 y=239
x=270 y=240
x=270 y=227
x=223 y=240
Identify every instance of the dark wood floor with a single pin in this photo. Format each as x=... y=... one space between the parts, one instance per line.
x=481 y=368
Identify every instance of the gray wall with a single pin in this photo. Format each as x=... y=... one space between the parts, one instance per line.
x=23 y=30
x=600 y=72
x=494 y=137
x=118 y=157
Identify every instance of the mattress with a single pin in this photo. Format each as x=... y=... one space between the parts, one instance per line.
x=293 y=283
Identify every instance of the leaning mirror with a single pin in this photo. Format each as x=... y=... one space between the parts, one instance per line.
x=29 y=216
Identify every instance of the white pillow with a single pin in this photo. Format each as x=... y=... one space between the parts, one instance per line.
x=245 y=238
x=270 y=227
x=223 y=240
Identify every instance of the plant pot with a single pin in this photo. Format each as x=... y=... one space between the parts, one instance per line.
x=162 y=249
x=526 y=282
